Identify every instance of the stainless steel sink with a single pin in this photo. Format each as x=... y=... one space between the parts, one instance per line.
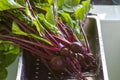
x=94 y=34
x=93 y=30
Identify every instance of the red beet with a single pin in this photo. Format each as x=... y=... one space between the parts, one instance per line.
x=64 y=51
x=57 y=63
x=77 y=47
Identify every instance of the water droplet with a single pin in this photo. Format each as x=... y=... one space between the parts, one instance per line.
x=49 y=73
x=36 y=72
x=62 y=73
x=37 y=59
x=37 y=68
x=37 y=64
x=36 y=76
x=49 y=77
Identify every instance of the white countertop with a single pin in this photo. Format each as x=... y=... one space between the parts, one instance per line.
x=107 y=12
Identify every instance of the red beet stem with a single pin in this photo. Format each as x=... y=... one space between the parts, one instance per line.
x=85 y=37
x=62 y=40
x=71 y=33
x=30 y=8
x=30 y=48
x=22 y=25
x=61 y=27
x=51 y=38
x=29 y=42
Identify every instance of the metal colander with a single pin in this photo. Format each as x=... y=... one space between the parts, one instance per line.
x=34 y=69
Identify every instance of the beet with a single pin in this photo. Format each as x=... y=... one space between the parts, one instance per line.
x=80 y=57
x=57 y=63
x=64 y=52
x=77 y=47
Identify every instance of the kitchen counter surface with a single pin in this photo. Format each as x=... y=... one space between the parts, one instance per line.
x=107 y=12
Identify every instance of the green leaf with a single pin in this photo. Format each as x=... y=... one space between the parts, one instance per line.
x=6 y=47
x=71 y=2
x=50 y=27
x=49 y=12
x=79 y=13
x=50 y=1
x=34 y=19
x=76 y=2
x=1 y=41
x=68 y=8
x=50 y=15
x=69 y=5
x=77 y=30
x=14 y=50
x=86 y=6
x=11 y=47
x=7 y=56
x=68 y=2
x=17 y=30
x=8 y=4
x=38 y=26
x=21 y=2
x=8 y=59
x=2 y=56
x=3 y=74
x=43 y=6
x=60 y=4
x=66 y=19
x=41 y=39
x=2 y=47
